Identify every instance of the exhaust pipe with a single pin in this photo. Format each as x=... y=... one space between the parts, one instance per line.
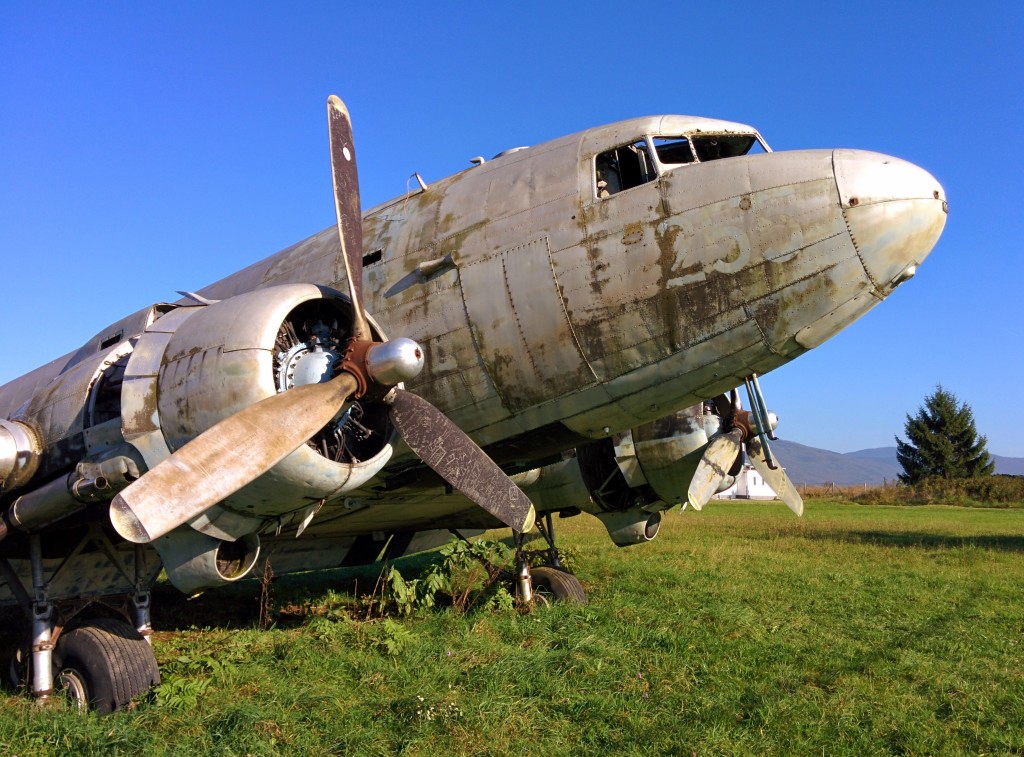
x=87 y=484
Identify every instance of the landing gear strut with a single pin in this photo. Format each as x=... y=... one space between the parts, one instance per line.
x=548 y=581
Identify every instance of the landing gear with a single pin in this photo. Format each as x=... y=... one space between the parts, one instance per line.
x=549 y=582
x=558 y=585
x=103 y=664
x=94 y=651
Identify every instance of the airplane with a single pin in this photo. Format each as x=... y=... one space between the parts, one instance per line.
x=561 y=328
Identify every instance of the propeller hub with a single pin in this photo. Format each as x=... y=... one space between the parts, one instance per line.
x=393 y=362
x=378 y=366
x=743 y=420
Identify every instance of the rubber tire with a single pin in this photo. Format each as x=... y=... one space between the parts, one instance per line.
x=562 y=586
x=111 y=659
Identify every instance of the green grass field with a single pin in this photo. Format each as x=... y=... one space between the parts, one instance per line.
x=739 y=630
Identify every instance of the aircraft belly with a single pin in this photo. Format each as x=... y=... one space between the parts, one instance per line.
x=682 y=378
x=318 y=551
x=410 y=509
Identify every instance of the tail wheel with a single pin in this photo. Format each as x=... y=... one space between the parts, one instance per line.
x=104 y=664
x=558 y=585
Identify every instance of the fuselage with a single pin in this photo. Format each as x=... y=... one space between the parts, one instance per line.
x=547 y=304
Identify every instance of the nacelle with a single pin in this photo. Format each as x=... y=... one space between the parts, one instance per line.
x=195 y=561
x=649 y=466
x=627 y=479
x=200 y=365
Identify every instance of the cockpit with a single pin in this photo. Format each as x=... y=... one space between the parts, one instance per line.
x=643 y=160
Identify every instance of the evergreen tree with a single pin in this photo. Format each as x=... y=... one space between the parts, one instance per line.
x=943 y=441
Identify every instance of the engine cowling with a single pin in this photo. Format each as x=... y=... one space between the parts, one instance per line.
x=209 y=363
x=196 y=561
x=627 y=479
x=650 y=465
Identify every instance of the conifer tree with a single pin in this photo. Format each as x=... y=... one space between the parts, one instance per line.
x=942 y=441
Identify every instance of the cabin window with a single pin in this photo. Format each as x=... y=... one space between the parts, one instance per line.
x=715 y=146
x=673 y=150
x=623 y=168
x=111 y=340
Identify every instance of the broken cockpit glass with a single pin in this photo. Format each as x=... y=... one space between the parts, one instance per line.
x=673 y=150
x=624 y=168
x=715 y=146
x=631 y=165
x=678 y=150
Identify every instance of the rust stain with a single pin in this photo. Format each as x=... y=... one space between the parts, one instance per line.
x=632 y=233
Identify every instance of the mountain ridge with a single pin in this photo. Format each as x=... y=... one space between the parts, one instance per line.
x=813 y=466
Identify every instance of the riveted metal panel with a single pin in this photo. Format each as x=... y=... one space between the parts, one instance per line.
x=140 y=417
x=84 y=574
x=520 y=326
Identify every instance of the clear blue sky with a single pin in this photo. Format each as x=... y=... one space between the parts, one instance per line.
x=146 y=148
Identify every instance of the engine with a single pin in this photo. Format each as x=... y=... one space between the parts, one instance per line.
x=234 y=353
x=163 y=376
x=628 y=479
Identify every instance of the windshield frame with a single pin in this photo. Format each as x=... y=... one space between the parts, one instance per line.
x=689 y=137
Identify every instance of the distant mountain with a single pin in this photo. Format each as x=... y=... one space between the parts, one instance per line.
x=1011 y=466
x=809 y=465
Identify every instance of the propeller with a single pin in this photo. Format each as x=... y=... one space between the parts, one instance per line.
x=242 y=447
x=723 y=453
x=224 y=458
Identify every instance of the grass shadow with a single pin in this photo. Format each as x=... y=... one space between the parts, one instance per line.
x=917 y=540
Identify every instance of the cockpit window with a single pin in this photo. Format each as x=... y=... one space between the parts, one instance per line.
x=623 y=168
x=673 y=150
x=715 y=146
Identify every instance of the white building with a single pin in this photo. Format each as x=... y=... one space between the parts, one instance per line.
x=749 y=485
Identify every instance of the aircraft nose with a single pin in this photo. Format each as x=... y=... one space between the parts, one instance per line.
x=894 y=210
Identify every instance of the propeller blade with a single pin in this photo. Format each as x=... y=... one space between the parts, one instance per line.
x=347 y=208
x=713 y=467
x=776 y=477
x=724 y=405
x=224 y=458
x=445 y=447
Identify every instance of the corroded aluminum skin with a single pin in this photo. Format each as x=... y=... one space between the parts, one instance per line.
x=668 y=450
x=140 y=417
x=610 y=313
x=58 y=412
x=19 y=454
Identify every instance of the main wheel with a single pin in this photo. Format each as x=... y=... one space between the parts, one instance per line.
x=104 y=664
x=558 y=585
